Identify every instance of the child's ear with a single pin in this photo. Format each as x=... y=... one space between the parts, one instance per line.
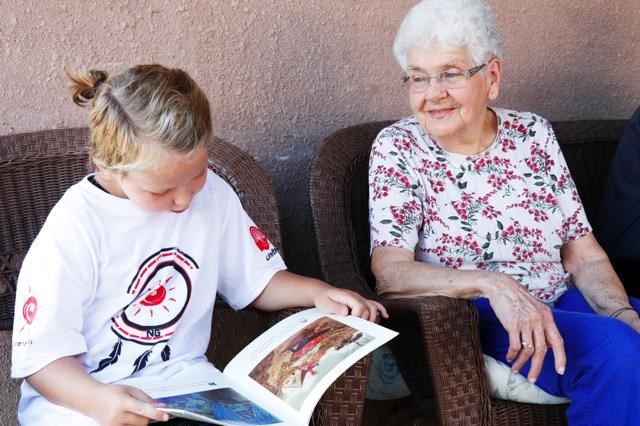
x=106 y=175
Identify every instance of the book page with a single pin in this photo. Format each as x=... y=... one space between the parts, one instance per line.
x=213 y=399
x=300 y=357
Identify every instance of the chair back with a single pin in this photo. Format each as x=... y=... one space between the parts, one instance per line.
x=589 y=147
x=339 y=190
x=35 y=170
x=339 y=193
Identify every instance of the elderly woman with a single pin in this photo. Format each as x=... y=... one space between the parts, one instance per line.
x=473 y=201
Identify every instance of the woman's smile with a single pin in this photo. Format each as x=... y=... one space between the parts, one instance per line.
x=440 y=113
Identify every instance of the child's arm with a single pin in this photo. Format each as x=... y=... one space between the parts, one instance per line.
x=287 y=290
x=64 y=382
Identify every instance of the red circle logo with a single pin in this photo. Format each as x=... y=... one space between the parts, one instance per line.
x=155 y=298
x=161 y=290
x=29 y=309
x=258 y=237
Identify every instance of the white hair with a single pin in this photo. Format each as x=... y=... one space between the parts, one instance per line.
x=452 y=24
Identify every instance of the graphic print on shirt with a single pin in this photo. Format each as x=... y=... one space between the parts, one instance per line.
x=161 y=290
x=29 y=311
x=259 y=238
x=262 y=242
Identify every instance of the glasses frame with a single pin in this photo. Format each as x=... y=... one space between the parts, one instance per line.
x=438 y=78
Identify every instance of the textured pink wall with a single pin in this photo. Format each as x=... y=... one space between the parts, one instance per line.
x=283 y=74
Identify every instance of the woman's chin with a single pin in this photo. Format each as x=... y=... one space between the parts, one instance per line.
x=438 y=129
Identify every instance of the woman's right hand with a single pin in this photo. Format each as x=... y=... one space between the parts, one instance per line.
x=529 y=323
x=124 y=405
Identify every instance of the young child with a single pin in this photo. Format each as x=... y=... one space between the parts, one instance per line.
x=119 y=285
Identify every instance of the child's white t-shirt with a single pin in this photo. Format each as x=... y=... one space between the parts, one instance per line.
x=130 y=293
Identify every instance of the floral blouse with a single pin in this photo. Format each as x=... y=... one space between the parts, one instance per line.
x=509 y=208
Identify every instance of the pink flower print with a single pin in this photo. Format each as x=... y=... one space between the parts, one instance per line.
x=480 y=164
x=533 y=164
x=508 y=145
x=496 y=181
x=390 y=172
x=489 y=212
x=521 y=254
x=450 y=177
x=573 y=228
x=461 y=209
x=401 y=145
x=537 y=204
x=438 y=186
x=538 y=161
x=564 y=181
x=507 y=232
x=380 y=192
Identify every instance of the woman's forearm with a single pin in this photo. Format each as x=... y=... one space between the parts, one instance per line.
x=399 y=275
x=600 y=286
x=593 y=275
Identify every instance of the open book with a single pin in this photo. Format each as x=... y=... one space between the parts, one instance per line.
x=279 y=377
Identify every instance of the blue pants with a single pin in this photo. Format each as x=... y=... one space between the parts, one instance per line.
x=602 y=376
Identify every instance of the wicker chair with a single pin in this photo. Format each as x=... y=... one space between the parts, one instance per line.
x=36 y=169
x=438 y=349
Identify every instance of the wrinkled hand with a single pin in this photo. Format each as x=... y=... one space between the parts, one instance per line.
x=342 y=302
x=125 y=405
x=530 y=324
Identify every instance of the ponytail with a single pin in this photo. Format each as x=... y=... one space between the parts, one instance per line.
x=85 y=85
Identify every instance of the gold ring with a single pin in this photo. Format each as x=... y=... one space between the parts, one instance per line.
x=526 y=345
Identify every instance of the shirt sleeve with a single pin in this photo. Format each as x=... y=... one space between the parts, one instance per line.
x=56 y=280
x=248 y=259
x=575 y=223
x=395 y=208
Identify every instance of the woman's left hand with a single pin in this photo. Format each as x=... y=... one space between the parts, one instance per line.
x=342 y=302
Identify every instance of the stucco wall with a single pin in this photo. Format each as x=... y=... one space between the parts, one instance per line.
x=283 y=74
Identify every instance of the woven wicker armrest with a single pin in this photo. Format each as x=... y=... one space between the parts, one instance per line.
x=439 y=344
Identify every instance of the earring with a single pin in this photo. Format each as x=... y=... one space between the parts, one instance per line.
x=493 y=95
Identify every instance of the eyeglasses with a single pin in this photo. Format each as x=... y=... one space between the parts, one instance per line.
x=418 y=83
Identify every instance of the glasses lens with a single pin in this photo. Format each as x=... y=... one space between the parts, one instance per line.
x=416 y=83
x=452 y=80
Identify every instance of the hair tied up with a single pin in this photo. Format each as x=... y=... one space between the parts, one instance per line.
x=84 y=86
x=99 y=78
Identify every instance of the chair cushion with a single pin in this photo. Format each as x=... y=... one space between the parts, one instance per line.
x=386 y=382
x=504 y=384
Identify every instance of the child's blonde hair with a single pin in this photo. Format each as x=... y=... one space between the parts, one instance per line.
x=140 y=114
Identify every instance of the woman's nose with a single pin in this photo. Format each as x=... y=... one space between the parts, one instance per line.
x=434 y=90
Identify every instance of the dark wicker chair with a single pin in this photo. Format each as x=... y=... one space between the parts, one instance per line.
x=438 y=348
x=36 y=169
